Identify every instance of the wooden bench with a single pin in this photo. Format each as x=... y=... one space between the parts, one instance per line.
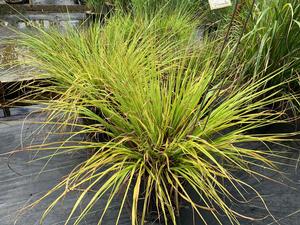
x=11 y=9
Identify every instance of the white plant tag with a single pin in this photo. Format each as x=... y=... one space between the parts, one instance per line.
x=218 y=4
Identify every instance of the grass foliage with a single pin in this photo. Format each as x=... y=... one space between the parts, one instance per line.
x=170 y=124
x=271 y=41
x=146 y=7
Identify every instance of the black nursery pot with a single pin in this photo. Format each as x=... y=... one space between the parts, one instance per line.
x=97 y=137
x=94 y=17
x=288 y=122
x=17 y=1
x=185 y=216
x=100 y=15
x=152 y=213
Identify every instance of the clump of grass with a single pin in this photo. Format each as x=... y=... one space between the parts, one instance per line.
x=169 y=120
x=273 y=36
x=84 y=46
x=146 y=7
x=270 y=42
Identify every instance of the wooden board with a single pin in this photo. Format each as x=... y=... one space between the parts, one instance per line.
x=11 y=76
x=7 y=8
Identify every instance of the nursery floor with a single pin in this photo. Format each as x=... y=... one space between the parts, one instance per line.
x=22 y=181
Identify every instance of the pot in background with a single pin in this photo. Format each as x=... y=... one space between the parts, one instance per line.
x=16 y=1
x=53 y=2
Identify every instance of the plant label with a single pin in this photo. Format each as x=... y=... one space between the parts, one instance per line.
x=218 y=4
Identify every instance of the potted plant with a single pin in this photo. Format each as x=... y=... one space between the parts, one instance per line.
x=173 y=125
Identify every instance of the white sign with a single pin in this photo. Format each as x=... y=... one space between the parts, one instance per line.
x=218 y=4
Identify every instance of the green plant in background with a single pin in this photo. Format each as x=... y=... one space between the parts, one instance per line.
x=146 y=6
x=270 y=42
x=273 y=34
x=165 y=29
x=169 y=123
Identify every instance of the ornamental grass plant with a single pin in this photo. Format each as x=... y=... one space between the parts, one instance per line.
x=145 y=7
x=273 y=36
x=171 y=122
x=269 y=43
